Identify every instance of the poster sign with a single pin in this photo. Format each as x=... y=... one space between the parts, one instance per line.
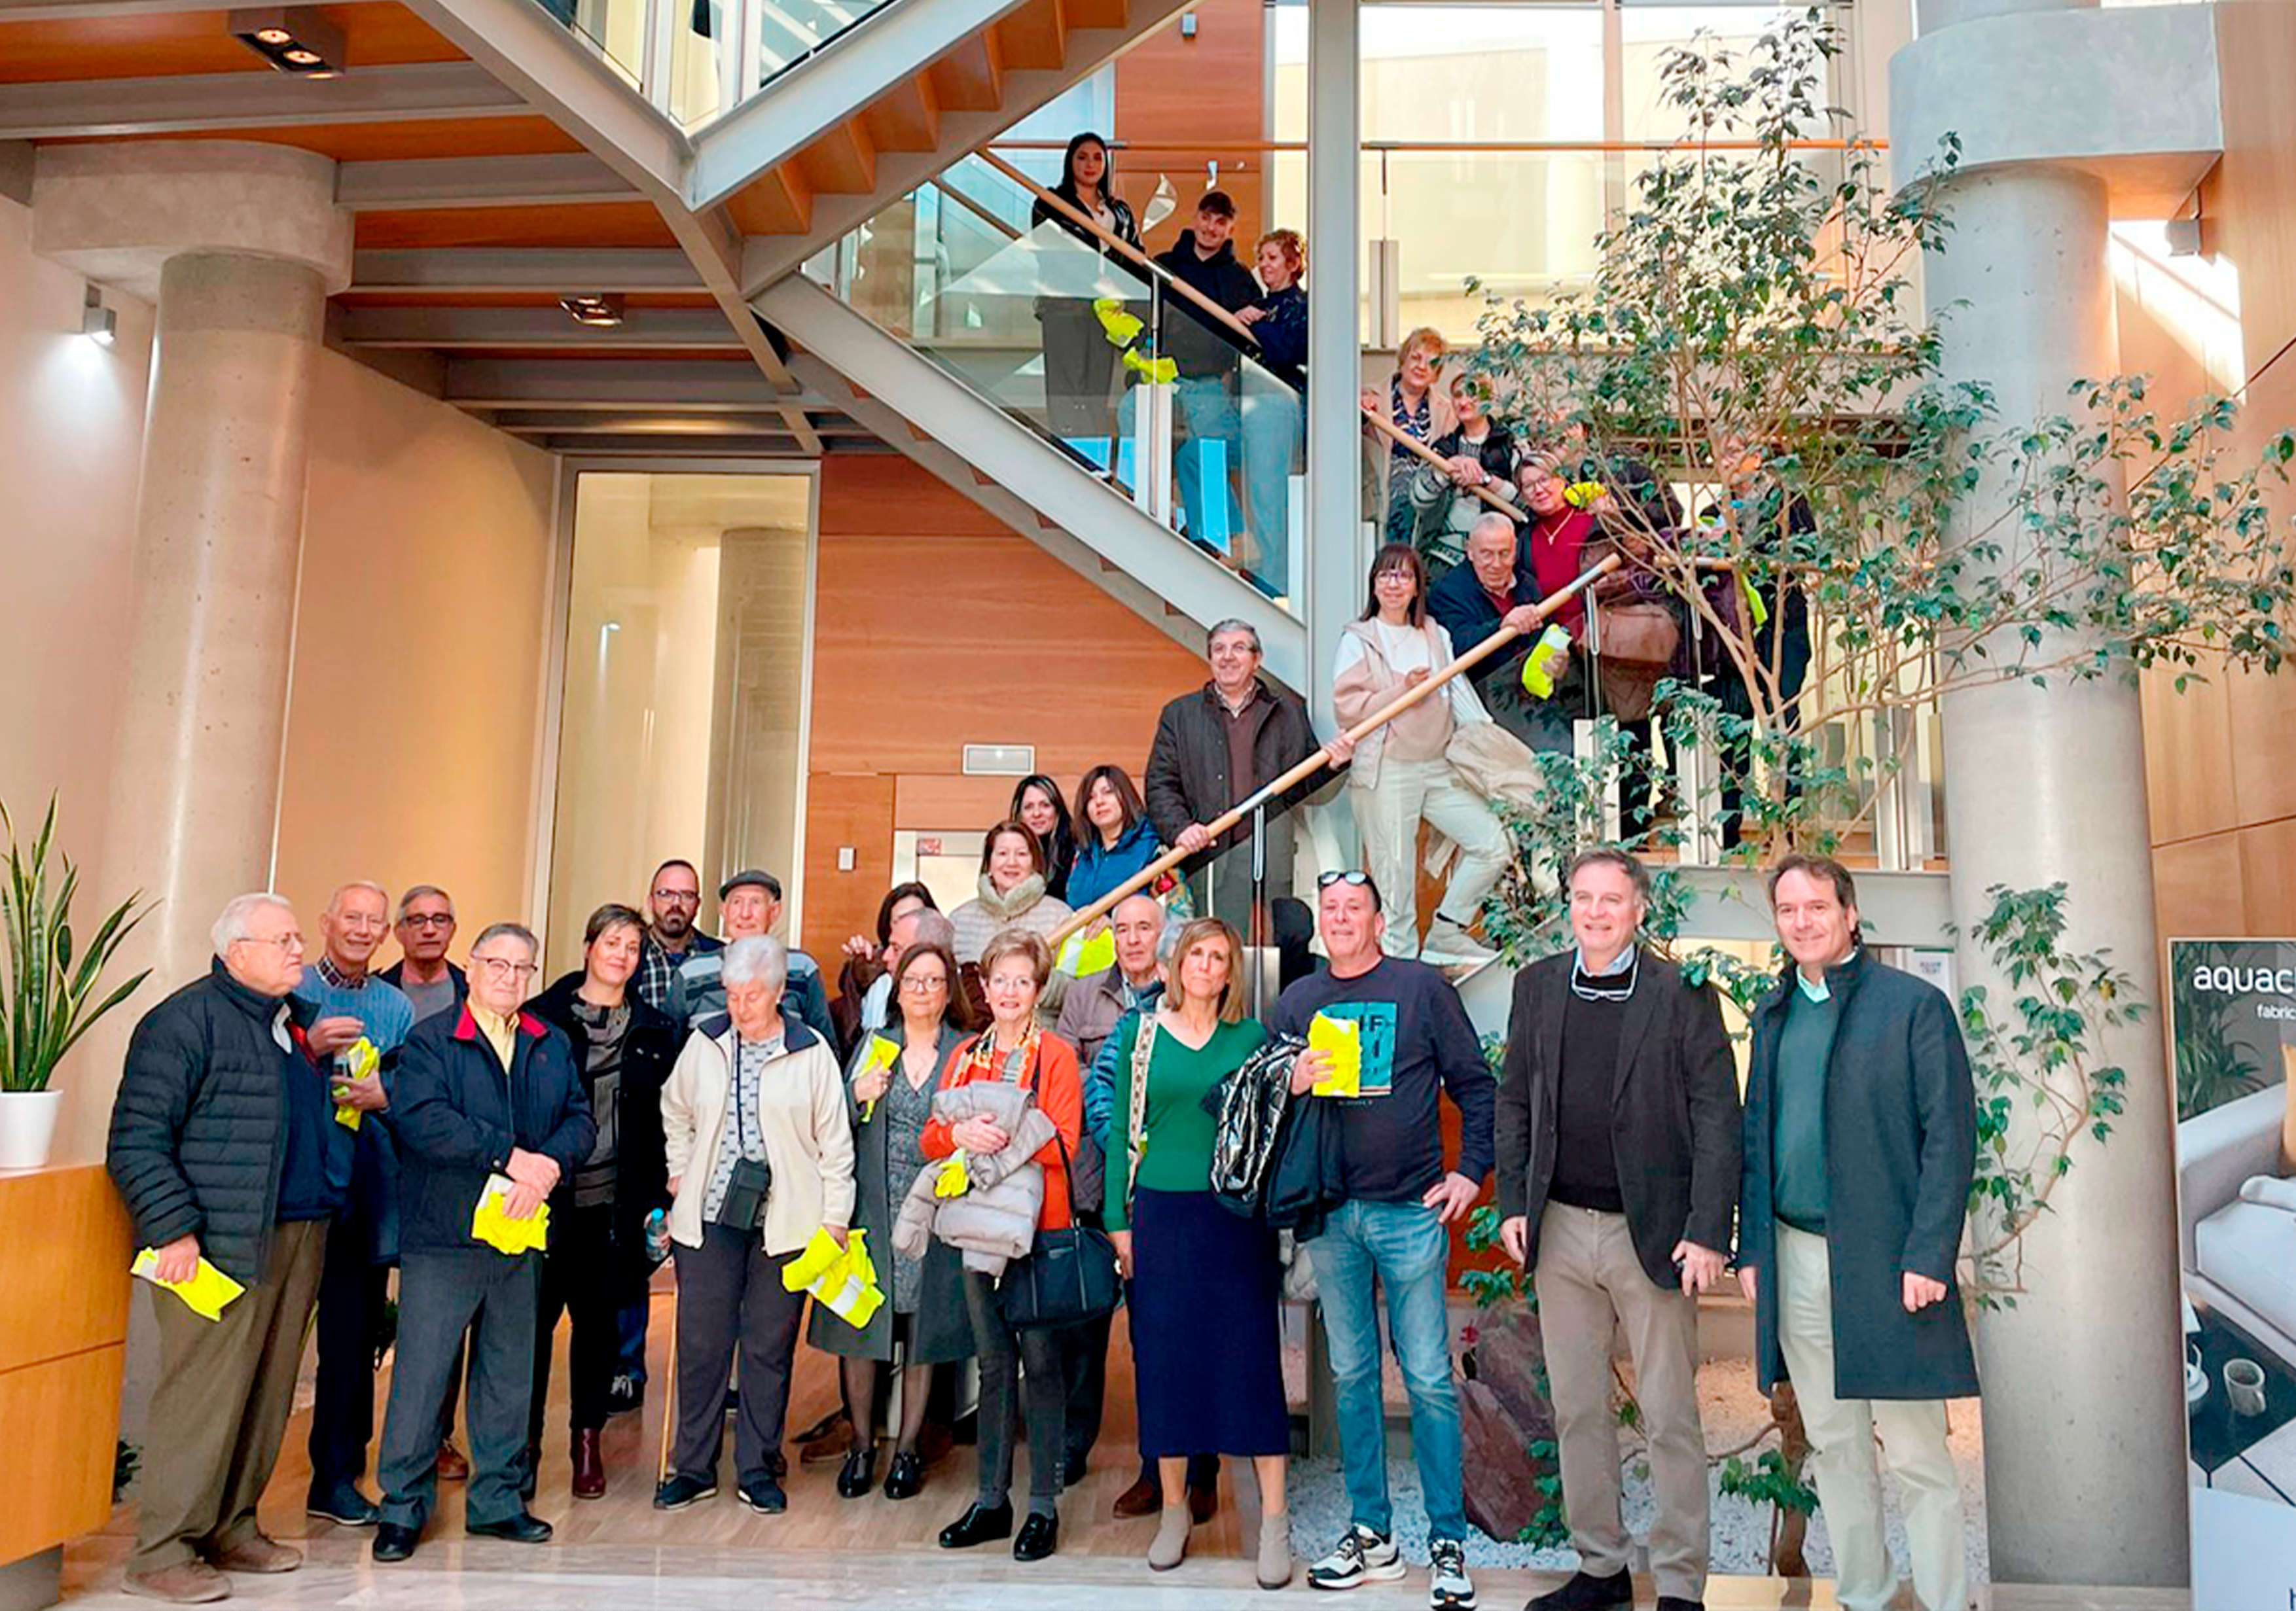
x=2232 y=1029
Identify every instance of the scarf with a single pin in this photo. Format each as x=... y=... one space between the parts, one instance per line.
x=980 y=1061
x=1007 y=907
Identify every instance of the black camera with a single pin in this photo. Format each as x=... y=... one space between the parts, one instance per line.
x=746 y=1191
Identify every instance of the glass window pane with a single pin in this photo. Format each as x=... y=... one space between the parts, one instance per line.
x=1648 y=32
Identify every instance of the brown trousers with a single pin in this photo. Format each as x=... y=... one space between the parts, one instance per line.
x=221 y=1405
x=1590 y=1283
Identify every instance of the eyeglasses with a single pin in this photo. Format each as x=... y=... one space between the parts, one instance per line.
x=428 y=919
x=284 y=942
x=923 y=984
x=502 y=967
x=678 y=897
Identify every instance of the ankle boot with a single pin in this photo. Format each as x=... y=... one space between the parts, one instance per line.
x=1169 y=1547
x=1274 y=1567
x=589 y=1465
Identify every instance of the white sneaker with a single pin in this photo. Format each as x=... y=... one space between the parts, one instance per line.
x=1362 y=1556
x=1449 y=1588
x=1447 y=942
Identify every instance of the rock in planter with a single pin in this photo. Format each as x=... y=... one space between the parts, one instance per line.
x=1502 y=1412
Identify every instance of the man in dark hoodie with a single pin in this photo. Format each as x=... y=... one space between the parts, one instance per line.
x=1207 y=354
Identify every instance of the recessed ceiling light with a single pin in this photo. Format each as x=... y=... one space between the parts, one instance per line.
x=299 y=40
x=601 y=310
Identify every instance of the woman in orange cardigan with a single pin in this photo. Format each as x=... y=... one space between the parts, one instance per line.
x=1015 y=966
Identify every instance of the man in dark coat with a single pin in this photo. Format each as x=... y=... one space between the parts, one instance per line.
x=1215 y=748
x=1861 y=1141
x=1209 y=356
x=224 y=1148
x=1618 y=1165
x=491 y=1091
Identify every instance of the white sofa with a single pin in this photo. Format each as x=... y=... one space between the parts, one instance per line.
x=2240 y=1258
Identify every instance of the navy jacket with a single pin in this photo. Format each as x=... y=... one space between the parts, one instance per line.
x=1900 y=1152
x=1462 y=608
x=456 y=1117
x=1284 y=335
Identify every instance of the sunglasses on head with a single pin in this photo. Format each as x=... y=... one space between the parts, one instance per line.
x=1354 y=879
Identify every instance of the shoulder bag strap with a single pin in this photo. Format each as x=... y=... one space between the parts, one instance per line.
x=1144 y=1050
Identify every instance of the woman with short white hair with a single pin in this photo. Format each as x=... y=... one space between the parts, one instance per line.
x=760 y=1157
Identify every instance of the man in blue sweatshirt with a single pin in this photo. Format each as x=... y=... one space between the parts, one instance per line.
x=1209 y=356
x=1416 y=1042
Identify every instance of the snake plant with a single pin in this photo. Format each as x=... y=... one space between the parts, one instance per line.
x=48 y=989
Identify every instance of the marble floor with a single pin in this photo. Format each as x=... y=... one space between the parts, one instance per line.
x=618 y=1554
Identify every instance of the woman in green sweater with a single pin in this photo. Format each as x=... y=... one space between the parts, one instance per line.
x=1205 y=1285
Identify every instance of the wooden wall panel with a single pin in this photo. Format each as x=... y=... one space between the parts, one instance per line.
x=845 y=808
x=1213 y=87
x=67 y=1290
x=2267 y=878
x=167 y=44
x=59 y=1415
x=935 y=626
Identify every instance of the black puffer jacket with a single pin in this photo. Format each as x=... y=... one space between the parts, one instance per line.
x=199 y=1129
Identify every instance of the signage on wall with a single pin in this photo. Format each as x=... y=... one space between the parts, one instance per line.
x=2231 y=1020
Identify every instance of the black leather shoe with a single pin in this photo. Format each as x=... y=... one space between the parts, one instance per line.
x=1040 y=1535
x=346 y=1507
x=981 y=1525
x=762 y=1494
x=627 y=1394
x=520 y=1529
x=392 y=1543
x=1676 y=1602
x=905 y=1477
x=860 y=1473
x=1586 y=1592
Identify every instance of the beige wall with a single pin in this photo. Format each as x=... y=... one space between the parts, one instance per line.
x=413 y=718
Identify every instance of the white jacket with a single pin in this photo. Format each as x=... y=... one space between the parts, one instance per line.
x=801 y=1109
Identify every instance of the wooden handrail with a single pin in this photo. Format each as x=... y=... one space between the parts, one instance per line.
x=1317 y=762
x=1397 y=434
x=1086 y=221
x=1592 y=148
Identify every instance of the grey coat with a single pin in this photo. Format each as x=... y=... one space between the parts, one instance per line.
x=995 y=1222
x=942 y=1330
x=1900 y=1152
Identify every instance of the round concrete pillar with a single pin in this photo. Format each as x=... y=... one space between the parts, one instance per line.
x=2084 y=1409
x=220 y=525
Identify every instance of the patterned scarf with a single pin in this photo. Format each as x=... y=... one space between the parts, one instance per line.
x=981 y=1062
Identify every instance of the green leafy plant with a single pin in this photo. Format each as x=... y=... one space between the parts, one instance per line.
x=2213 y=1067
x=48 y=995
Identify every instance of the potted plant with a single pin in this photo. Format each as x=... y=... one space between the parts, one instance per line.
x=48 y=989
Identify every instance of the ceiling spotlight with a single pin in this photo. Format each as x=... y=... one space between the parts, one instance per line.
x=601 y=310
x=99 y=323
x=299 y=39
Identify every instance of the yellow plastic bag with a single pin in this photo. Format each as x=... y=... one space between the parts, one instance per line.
x=1583 y=495
x=1084 y=955
x=359 y=1061
x=882 y=1054
x=1546 y=657
x=952 y=1181
x=206 y=1295
x=491 y=1224
x=842 y=1280
x=1341 y=1039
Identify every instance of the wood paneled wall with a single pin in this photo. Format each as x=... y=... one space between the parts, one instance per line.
x=935 y=626
x=2218 y=756
x=1212 y=87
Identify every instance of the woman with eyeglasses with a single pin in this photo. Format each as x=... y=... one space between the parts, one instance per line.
x=598 y=1262
x=759 y=1150
x=1013 y=895
x=923 y=1322
x=1208 y=1359
x=1037 y=802
x=1401 y=775
x=1017 y=1051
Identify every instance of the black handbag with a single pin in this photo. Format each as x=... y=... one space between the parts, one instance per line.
x=1068 y=1277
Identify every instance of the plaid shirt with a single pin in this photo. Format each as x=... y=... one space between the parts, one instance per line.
x=658 y=968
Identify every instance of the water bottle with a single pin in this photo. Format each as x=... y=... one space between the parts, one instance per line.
x=657 y=1236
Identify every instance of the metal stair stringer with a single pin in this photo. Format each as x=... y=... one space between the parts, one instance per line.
x=969 y=443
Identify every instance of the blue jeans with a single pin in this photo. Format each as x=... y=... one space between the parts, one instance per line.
x=1271 y=442
x=1407 y=1248
x=1207 y=406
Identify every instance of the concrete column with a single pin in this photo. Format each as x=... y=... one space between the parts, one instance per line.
x=219 y=528
x=239 y=244
x=1334 y=556
x=2084 y=1407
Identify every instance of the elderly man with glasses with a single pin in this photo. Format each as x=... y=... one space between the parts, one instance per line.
x=225 y=1151
x=488 y=1103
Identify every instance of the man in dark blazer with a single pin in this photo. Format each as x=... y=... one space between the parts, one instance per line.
x=1861 y=1141
x=1618 y=1163
x=490 y=1091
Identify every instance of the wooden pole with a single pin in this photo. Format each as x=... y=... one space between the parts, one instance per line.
x=1395 y=433
x=1317 y=762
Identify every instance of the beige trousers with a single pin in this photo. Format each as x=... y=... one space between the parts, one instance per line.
x=1842 y=1447
x=1588 y=1282
x=220 y=1406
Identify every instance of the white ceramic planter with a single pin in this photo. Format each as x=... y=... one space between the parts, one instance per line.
x=28 y=1126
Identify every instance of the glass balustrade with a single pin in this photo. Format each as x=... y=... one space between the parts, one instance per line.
x=697 y=59
x=1109 y=360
